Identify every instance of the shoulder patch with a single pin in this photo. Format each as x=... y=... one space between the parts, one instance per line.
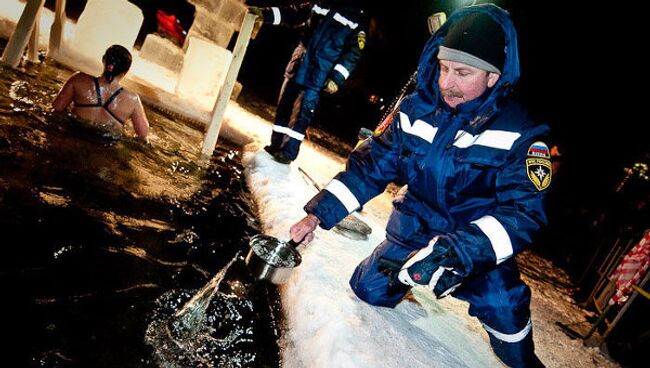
x=538 y=165
x=361 y=39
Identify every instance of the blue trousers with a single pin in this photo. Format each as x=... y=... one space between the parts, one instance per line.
x=498 y=298
x=293 y=115
x=295 y=110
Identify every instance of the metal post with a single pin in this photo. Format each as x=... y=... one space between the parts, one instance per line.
x=32 y=48
x=219 y=110
x=18 y=41
x=56 y=31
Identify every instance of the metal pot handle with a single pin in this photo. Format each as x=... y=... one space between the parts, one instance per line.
x=296 y=244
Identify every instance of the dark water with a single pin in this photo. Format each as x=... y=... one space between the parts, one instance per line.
x=100 y=238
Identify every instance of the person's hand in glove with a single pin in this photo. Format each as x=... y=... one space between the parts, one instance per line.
x=437 y=266
x=331 y=87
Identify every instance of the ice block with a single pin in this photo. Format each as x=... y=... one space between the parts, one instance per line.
x=204 y=70
x=209 y=26
x=163 y=52
x=104 y=23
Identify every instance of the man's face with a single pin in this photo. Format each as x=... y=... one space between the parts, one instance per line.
x=460 y=82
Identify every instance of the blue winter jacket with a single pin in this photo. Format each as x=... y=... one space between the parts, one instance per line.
x=470 y=172
x=334 y=36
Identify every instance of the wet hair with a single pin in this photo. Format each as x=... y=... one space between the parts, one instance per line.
x=117 y=61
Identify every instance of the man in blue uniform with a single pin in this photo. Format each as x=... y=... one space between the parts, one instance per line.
x=333 y=37
x=477 y=171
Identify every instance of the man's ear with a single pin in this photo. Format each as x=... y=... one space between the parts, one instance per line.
x=492 y=79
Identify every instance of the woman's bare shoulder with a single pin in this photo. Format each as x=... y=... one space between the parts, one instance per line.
x=131 y=96
x=81 y=76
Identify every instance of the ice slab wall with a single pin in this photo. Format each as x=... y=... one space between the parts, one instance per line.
x=163 y=52
x=208 y=26
x=204 y=70
x=231 y=12
x=104 y=23
x=217 y=20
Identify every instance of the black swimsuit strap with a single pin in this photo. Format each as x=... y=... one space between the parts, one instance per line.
x=99 y=93
x=108 y=102
x=115 y=116
x=99 y=97
x=110 y=99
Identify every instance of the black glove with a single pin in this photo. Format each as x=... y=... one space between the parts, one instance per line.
x=436 y=266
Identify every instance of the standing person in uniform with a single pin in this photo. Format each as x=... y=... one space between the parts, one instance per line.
x=101 y=101
x=477 y=171
x=330 y=47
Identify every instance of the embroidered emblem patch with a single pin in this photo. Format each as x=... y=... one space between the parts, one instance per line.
x=538 y=165
x=361 y=39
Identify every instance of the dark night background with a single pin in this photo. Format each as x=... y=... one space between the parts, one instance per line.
x=577 y=76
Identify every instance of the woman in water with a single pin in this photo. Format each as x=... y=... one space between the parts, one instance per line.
x=101 y=101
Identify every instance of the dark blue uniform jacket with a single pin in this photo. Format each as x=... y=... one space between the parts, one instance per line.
x=334 y=36
x=466 y=169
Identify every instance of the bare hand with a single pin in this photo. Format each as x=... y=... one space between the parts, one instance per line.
x=304 y=229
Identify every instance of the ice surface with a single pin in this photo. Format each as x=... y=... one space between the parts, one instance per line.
x=204 y=69
x=163 y=52
x=104 y=23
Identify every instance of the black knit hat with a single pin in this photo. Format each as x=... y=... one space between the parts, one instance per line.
x=475 y=40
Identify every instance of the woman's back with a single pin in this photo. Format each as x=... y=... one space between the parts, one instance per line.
x=102 y=104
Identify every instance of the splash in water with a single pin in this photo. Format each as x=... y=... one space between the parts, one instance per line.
x=211 y=328
x=189 y=319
